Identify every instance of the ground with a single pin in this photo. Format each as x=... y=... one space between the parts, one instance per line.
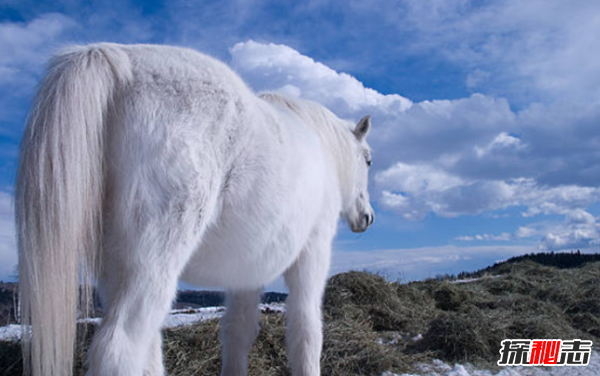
x=436 y=327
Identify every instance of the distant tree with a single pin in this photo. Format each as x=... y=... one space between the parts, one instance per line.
x=561 y=260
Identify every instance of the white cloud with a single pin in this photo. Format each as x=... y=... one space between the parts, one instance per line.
x=24 y=47
x=547 y=46
x=467 y=198
x=476 y=78
x=24 y=50
x=285 y=69
x=555 y=200
x=580 y=217
x=452 y=157
x=527 y=232
x=505 y=236
x=478 y=196
x=580 y=229
x=415 y=179
x=502 y=142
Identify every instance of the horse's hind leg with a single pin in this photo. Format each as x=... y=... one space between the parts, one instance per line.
x=306 y=280
x=141 y=298
x=154 y=365
x=140 y=269
x=239 y=329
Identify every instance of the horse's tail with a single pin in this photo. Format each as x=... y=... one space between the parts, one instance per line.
x=58 y=200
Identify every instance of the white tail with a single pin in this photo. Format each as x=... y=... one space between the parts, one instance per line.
x=59 y=199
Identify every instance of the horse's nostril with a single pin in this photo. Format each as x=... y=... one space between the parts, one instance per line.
x=367 y=219
x=372 y=217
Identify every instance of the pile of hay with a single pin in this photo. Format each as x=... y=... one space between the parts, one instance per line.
x=527 y=300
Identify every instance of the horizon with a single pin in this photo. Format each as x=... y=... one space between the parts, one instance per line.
x=278 y=286
x=485 y=117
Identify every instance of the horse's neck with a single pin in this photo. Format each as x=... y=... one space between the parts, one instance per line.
x=339 y=149
x=335 y=140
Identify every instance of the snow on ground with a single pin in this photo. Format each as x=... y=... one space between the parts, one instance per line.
x=188 y=317
x=439 y=368
x=177 y=317
x=181 y=317
x=10 y=332
x=397 y=337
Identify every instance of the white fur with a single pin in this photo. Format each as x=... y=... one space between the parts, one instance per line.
x=159 y=163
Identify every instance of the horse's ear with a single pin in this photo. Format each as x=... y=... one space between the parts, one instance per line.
x=362 y=128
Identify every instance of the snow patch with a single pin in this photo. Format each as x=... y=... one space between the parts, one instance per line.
x=397 y=337
x=179 y=318
x=176 y=318
x=10 y=333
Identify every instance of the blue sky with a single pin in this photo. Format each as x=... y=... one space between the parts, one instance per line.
x=486 y=114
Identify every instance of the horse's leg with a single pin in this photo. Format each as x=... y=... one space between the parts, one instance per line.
x=154 y=365
x=306 y=280
x=239 y=328
x=140 y=268
x=127 y=336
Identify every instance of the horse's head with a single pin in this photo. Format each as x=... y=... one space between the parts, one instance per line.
x=358 y=211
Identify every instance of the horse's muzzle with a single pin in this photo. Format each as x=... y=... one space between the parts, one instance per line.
x=365 y=221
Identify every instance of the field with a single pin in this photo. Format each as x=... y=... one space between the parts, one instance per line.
x=373 y=325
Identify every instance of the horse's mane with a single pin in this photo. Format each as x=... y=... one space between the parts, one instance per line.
x=335 y=133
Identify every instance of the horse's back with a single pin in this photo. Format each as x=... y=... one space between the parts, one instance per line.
x=179 y=87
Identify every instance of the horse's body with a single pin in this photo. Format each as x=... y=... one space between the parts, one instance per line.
x=149 y=164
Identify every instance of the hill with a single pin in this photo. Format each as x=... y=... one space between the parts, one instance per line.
x=561 y=260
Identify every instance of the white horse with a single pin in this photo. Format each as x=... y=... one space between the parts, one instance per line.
x=141 y=165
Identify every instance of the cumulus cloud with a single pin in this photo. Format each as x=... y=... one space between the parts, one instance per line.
x=478 y=196
x=24 y=49
x=579 y=230
x=502 y=141
x=452 y=157
x=476 y=78
x=288 y=71
x=505 y=236
x=24 y=46
x=415 y=179
x=544 y=45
